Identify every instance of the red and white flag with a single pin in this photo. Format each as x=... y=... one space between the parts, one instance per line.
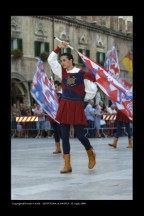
x=110 y=86
x=112 y=67
x=111 y=63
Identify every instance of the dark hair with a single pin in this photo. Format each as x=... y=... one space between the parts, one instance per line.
x=56 y=82
x=69 y=56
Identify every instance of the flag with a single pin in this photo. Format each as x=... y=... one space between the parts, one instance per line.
x=126 y=84
x=111 y=87
x=112 y=67
x=111 y=63
x=43 y=91
x=127 y=61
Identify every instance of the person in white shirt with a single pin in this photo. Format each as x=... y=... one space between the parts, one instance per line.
x=77 y=86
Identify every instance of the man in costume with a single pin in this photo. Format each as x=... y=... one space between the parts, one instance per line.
x=55 y=125
x=122 y=120
x=77 y=86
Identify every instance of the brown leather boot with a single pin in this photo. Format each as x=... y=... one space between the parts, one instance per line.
x=91 y=157
x=129 y=143
x=58 y=150
x=67 y=167
x=114 y=144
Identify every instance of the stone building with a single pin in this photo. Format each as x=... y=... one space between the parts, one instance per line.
x=33 y=36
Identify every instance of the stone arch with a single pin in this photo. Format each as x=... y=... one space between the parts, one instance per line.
x=19 y=77
x=19 y=89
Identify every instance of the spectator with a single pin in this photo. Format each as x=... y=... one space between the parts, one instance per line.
x=90 y=116
x=111 y=110
x=38 y=111
x=55 y=125
x=97 y=120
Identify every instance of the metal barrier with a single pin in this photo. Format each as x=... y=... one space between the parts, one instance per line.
x=26 y=126
x=87 y=131
x=107 y=128
x=30 y=127
x=104 y=131
x=110 y=118
x=13 y=128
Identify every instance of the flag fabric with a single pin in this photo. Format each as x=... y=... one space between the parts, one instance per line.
x=112 y=67
x=43 y=91
x=111 y=63
x=127 y=61
x=126 y=84
x=111 y=87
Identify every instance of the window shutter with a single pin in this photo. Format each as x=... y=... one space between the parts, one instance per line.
x=19 y=42
x=68 y=50
x=99 y=60
x=46 y=45
x=88 y=53
x=37 y=48
x=97 y=57
x=104 y=57
x=59 y=54
x=12 y=44
x=79 y=58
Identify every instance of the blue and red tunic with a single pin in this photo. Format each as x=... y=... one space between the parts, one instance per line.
x=71 y=106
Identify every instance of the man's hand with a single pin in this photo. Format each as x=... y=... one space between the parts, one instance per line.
x=63 y=44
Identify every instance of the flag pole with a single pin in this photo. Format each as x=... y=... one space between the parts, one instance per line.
x=67 y=45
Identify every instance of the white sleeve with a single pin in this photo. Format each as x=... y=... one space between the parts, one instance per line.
x=54 y=64
x=90 y=89
x=109 y=110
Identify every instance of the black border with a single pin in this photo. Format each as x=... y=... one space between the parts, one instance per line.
x=138 y=143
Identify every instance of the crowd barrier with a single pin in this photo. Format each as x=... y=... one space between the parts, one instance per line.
x=109 y=117
x=108 y=126
x=26 y=126
x=27 y=119
x=29 y=124
x=104 y=131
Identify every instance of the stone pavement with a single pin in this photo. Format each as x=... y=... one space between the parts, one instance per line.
x=35 y=171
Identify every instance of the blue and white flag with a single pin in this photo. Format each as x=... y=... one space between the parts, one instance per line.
x=43 y=91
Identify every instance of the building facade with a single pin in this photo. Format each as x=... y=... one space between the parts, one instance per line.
x=33 y=36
